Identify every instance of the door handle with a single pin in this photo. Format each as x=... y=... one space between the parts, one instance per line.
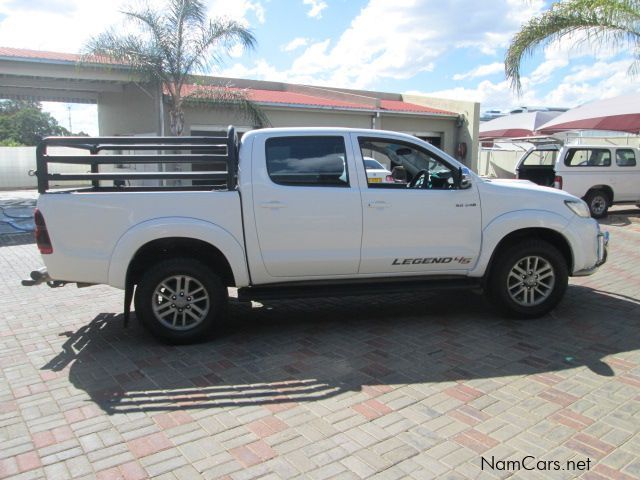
x=379 y=204
x=273 y=205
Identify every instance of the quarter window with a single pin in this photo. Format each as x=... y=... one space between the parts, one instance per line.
x=625 y=157
x=588 y=157
x=307 y=161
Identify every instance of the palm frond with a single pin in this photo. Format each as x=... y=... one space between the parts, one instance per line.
x=140 y=56
x=229 y=96
x=218 y=36
x=172 y=44
x=603 y=21
x=154 y=24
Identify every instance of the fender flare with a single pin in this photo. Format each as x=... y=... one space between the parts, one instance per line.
x=510 y=222
x=142 y=233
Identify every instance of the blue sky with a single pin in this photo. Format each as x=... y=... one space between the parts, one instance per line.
x=451 y=49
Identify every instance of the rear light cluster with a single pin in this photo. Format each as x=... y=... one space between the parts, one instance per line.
x=42 y=235
x=390 y=179
x=557 y=182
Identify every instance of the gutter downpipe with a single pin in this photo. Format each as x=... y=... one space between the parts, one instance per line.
x=161 y=110
x=374 y=117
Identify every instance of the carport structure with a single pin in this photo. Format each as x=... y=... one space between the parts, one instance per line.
x=128 y=106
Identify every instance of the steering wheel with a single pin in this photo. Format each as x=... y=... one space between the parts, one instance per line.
x=417 y=177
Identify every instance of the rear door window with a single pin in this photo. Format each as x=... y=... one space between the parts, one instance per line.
x=588 y=157
x=307 y=161
x=625 y=157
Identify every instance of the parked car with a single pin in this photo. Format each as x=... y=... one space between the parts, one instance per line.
x=376 y=173
x=601 y=175
x=282 y=220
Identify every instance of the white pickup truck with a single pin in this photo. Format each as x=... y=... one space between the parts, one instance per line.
x=602 y=175
x=293 y=214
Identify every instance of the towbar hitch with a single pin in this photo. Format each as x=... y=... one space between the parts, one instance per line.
x=42 y=276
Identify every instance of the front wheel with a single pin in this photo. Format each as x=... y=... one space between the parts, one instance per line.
x=180 y=300
x=528 y=279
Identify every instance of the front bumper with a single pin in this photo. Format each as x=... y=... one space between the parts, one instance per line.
x=602 y=253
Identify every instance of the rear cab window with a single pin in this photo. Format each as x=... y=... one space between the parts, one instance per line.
x=310 y=161
x=588 y=157
x=541 y=158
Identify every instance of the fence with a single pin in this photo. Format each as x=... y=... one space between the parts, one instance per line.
x=16 y=162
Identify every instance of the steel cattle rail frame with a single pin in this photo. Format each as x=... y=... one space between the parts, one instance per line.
x=225 y=149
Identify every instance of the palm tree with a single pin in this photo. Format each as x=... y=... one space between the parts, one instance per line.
x=603 y=21
x=173 y=44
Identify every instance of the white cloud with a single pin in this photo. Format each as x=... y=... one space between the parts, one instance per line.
x=236 y=51
x=397 y=40
x=295 y=44
x=585 y=83
x=60 y=29
x=488 y=93
x=237 y=10
x=317 y=6
x=481 y=71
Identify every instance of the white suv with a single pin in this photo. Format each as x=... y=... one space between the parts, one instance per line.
x=601 y=175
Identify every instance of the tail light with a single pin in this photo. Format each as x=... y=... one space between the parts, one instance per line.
x=390 y=179
x=42 y=235
x=557 y=182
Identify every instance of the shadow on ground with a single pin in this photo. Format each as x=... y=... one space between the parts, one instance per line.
x=621 y=216
x=306 y=351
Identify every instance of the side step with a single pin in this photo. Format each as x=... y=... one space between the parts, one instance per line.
x=354 y=288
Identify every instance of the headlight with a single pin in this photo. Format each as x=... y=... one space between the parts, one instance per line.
x=578 y=207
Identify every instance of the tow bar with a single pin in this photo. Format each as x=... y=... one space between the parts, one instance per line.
x=42 y=276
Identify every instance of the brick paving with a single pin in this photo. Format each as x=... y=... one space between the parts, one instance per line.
x=400 y=386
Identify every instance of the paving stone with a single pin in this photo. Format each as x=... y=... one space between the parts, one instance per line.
x=364 y=387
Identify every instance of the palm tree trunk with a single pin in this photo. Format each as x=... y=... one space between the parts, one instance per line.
x=176 y=119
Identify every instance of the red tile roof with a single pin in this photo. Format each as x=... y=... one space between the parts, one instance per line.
x=293 y=98
x=257 y=95
x=24 y=53
x=38 y=54
x=400 y=106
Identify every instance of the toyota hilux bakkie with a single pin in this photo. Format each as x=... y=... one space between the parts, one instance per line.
x=291 y=212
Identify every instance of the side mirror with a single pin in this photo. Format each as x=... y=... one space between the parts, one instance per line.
x=463 y=180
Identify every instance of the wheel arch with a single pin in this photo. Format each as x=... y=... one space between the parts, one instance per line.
x=549 y=235
x=516 y=225
x=184 y=237
x=180 y=247
x=603 y=187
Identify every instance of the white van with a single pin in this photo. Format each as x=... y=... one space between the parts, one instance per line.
x=601 y=175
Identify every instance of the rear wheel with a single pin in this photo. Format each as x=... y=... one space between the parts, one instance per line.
x=598 y=202
x=180 y=300
x=528 y=279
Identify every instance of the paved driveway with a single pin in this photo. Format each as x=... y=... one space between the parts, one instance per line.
x=402 y=386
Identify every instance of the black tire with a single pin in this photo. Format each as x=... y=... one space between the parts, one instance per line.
x=598 y=201
x=189 y=319
x=504 y=291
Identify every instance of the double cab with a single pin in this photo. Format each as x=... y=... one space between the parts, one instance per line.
x=292 y=212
